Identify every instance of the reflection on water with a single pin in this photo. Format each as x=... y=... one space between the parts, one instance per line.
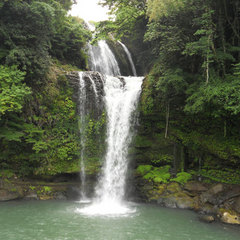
x=53 y=220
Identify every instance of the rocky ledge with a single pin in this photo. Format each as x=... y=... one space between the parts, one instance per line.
x=212 y=201
x=31 y=189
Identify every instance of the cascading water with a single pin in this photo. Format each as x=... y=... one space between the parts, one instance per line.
x=120 y=97
x=103 y=60
x=129 y=58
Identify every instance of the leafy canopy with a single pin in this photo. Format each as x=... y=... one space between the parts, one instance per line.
x=12 y=90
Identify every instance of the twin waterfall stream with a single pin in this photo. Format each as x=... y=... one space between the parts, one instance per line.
x=120 y=99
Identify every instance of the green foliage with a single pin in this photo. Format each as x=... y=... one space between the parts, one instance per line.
x=154 y=174
x=32 y=30
x=147 y=102
x=44 y=190
x=32 y=188
x=45 y=139
x=6 y=174
x=196 y=74
x=142 y=142
x=38 y=132
x=143 y=169
x=126 y=14
x=69 y=41
x=25 y=33
x=182 y=178
x=162 y=159
x=159 y=8
x=12 y=90
x=221 y=97
x=47 y=189
x=230 y=176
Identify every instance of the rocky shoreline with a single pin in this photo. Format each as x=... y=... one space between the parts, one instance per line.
x=32 y=189
x=213 y=202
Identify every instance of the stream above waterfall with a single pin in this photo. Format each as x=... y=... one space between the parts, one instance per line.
x=59 y=220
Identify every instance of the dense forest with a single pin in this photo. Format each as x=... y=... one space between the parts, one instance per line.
x=188 y=50
x=38 y=125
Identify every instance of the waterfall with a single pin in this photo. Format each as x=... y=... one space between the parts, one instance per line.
x=120 y=98
x=129 y=58
x=103 y=60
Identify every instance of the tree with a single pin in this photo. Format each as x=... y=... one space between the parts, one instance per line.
x=25 y=33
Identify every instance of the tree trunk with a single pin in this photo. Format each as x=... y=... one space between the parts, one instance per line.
x=167 y=119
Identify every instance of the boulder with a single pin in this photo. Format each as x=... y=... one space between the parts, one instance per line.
x=177 y=200
x=174 y=187
x=230 y=217
x=207 y=218
x=236 y=204
x=208 y=208
x=216 y=188
x=213 y=194
x=46 y=197
x=195 y=187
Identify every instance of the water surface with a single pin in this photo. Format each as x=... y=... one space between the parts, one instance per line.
x=56 y=220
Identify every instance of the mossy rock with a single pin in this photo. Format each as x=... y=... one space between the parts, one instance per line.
x=161 y=189
x=45 y=197
x=156 y=192
x=8 y=195
x=174 y=187
x=229 y=216
x=178 y=200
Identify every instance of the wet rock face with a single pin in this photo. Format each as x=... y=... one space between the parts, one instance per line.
x=94 y=89
x=236 y=204
x=195 y=187
x=211 y=195
x=9 y=191
x=6 y=195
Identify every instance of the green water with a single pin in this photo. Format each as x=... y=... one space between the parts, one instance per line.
x=60 y=221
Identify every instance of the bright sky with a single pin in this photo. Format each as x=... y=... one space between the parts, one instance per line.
x=89 y=10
